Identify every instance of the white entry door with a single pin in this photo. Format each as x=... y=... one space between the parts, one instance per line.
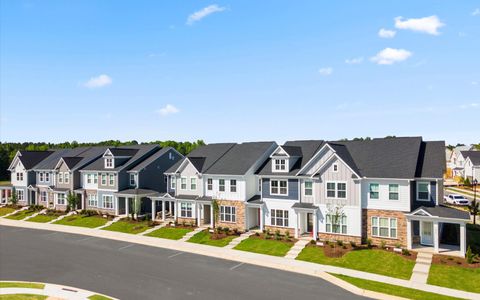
x=426 y=233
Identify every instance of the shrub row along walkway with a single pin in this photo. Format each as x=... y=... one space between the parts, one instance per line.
x=281 y=263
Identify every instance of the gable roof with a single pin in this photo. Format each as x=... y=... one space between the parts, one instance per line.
x=73 y=158
x=443 y=212
x=431 y=161
x=473 y=155
x=71 y=161
x=150 y=159
x=30 y=159
x=122 y=151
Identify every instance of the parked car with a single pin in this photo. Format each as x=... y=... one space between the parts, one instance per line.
x=456 y=199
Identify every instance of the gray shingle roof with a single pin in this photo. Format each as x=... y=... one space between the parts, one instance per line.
x=138 y=152
x=446 y=212
x=431 y=161
x=150 y=159
x=474 y=156
x=74 y=158
x=30 y=159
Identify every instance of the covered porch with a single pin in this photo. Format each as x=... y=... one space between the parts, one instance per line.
x=255 y=216
x=307 y=220
x=163 y=208
x=438 y=230
x=5 y=193
x=126 y=201
x=32 y=192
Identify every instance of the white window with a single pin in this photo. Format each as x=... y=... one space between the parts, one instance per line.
x=111 y=179
x=393 y=191
x=337 y=190
x=66 y=175
x=108 y=201
x=172 y=182
x=336 y=224
x=183 y=183
x=233 y=186
x=335 y=168
x=374 y=191
x=279 y=164
x=41 y=179
x=279 y=217
x=61 y=199
x=20 y=195
x=384 y=227
x=47 y=177
x=43 y=196
x=19 y=176
x=95 y=178
x=92 y=200
x=132 y=179
x=193 y=183
x=89 y=178
x=423 y=191
x=171 y=156
x=185 y=210
x=278 y=187
x=210 y=184
x=227 y=213
x=221 y=185
x=104 y=179
x=109 y=163
x=308 y=191
x=60 y=177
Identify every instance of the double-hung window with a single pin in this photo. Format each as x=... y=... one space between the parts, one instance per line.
x=260 y=185
x=193 y=183
x=172 y=182
x=185 y=210
x=61 y=199
x=336 y=190
x=109 y=163
x=132 y=179
x=95 y=178
x=43 y=196
x=89 y=178
x=221 y=185
x=227 y=213
x=111 y=180
x=393 y=191
x=183 y=183
x=423 y=191
x=41 y=177
x=336 y=224
x=92 y=200
x=233 y=186
x=374 y=191
x=20 y=195
x=308 y=188
x=66 y=175
x=108 y=201
x=47 y=177
x=60 y=177
x=209 y=184
x=384 y=227
x=279 y=217
x=278 y=187
x=104 y=179
x=280 y=164
x=19 y=176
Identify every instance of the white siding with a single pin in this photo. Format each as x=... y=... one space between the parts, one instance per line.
x=19 y=169
x=402 y=204
x=240 y=194
x=188 y=172
x=283 y=205
x=92 y=185
x=354 y=219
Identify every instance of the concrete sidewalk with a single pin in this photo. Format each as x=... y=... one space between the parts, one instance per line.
x=281 y=263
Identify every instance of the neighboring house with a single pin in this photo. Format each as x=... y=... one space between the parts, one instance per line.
x=448 y=158
x=222 y=172
x=457 y=160
x=110 y=183
x=23 y=176
x=472 y=165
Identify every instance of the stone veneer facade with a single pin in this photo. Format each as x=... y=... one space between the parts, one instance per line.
x=272 y=230
x=401 y=239
x=239 y=214
x=339 y=237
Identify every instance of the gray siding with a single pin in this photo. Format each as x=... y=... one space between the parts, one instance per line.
x=152 y=176
x=292 y=189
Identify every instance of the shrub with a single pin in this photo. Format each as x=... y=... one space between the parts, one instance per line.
x=264 y=231
x=312 y=242
x=353 y=244
x=278 y=237
x=257 y=234
x=344 y=247
x=383 y=244
x=332 y=245
x=277 y=232
x=398 y=245
x=405 y=252
x=369 y=243
x=267 y=232
x=339 y=242
x=226 y=230
x=235 y=230
x=469 y=255
x=326 y=242
x=192 y=224
x=88 y=212
x=183 y=223
x=268 y=236
x=287 y=234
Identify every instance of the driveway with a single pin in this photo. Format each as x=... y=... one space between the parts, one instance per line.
x=132 y=271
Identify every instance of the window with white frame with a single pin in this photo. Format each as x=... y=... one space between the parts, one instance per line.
x=384 y=227
x=279 y=164
x=19 y=176
x=279 y=217
x=109 y=163
x=337 y=190
x=61 y=199
x=41 y=179
x=132 y=179
x=66 y=176
x=193 y=183
x=374 y=191
x=260 y=184
x=393 y=191
x=43 y=196
x=95 y=178
x=308 y=190
x=185 y=210
x=336 y=224
x=171 y=156
x=227 y=213
x=233 y=186
x=47 y=177
x=20 y=195
x=183 y=183
x=108 y=201
x=60 y=177
x=278 y=187
x=221 y=185
x=89 y=178
x=104 y=179
x=172 y=182
x=209 y=184
x=92 y=200
x=111 y=179
x=423 y=191
x=335 y=167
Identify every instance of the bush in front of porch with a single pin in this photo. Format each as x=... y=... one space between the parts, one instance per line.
x=266 y=243
x=367 y=260
x=171 y=232
x=220 y=238
x=131 y=226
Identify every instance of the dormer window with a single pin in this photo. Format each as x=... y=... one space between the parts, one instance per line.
x=280 y=165
x=109 y=163
x=132 y=180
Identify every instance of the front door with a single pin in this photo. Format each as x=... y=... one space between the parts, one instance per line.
x=426 y=233
x=309 y=222
x=206 y=214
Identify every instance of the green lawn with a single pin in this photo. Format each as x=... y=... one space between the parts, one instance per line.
x=30 y=285
x=83 y=221
x=21 y=214
x=128 y=226
x=394 y=290
x=99 y=297
x=22 y=297
x=372 y=261
x=466 y=279
x=45 y=218
x=6 y=210
x=260 y=245
x=203 y=237
x=172 y=233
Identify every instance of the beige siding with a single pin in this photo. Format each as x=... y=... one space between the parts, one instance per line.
x=188 y=172
x=321 y=158
x=62 y=169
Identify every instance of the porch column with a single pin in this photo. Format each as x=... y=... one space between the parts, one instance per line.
x=115 y=202
x=409 y=234
x=163 y=210
x=246 y=217
x=296 y=224
x=199 y=218
x=261 y=217
x=463 y=239
x=127 y=206
x=153 y=209
x=436 y=240
x=315 y=226
x=177 y=205
x=211 y=215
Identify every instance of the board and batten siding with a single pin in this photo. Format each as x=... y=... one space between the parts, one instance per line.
x=239 y=195
x=320 y=159
x=383 y=202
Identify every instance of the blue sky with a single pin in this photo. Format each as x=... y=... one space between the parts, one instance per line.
x=239 y=70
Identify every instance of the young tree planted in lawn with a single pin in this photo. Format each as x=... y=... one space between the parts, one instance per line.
x=72 y=201
x=14 y=198
x=137 y=205
x=215 y=212
x=336 y=214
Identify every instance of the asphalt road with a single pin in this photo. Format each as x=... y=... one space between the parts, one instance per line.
x=132 y=271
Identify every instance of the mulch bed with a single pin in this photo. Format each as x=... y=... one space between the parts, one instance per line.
x=182 y=226
x=261 y=236
x=454 y=261
x=334 y=250
x=222 y=235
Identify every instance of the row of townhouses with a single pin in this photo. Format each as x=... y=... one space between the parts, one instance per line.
x=386 y=190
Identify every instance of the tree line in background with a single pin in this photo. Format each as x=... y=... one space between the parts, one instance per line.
x=8 y=150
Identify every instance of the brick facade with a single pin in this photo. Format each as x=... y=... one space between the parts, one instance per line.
x=401 y=239
x=239 y=214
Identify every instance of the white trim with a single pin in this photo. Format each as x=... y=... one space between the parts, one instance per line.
x=389 y=227
x=369 y=197
x=336 y=182
x=429 y=191
x=278 y=194
x=304 y=188
x=275 y=151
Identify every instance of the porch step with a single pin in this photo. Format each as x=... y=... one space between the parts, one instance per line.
x=61 y=217
x=14 y=212
x=116 y=219
x=192 y=233
x=239 y=239
x=421 y=268
x=296 y=249
x=35 y=214
x=153 y=229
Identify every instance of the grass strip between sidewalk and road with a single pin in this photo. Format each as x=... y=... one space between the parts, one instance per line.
x=26 y=285
x=22 y=297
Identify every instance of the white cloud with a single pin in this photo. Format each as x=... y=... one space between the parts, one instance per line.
x=476 y=12
x=470 y=105
x=354 y=61
x=390 y=56
x=325 y=71
x=169 y=109
x=428 y=25
x=198 y=15
x=99 y=81
x=386 y=34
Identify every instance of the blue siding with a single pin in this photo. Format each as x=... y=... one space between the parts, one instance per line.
x=292 y=190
